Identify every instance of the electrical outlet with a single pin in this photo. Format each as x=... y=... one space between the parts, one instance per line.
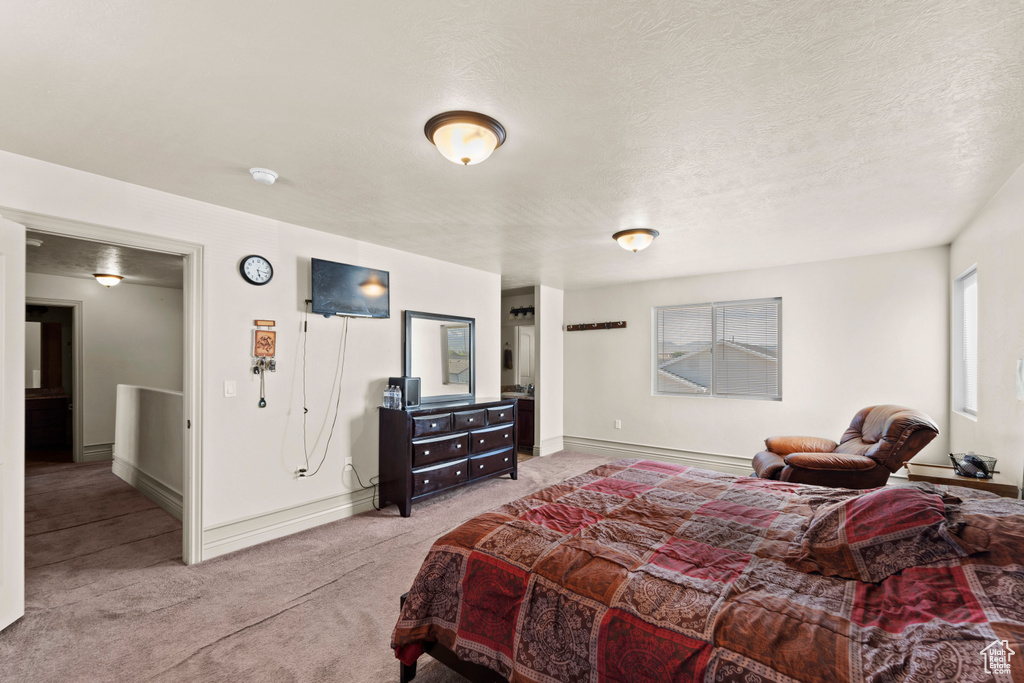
x=346 y=473
x=230 y=390
x=618 y=424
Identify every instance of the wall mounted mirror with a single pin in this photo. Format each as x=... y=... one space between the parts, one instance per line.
x=439 y=349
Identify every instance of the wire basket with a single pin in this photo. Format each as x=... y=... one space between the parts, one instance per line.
x=973 y=465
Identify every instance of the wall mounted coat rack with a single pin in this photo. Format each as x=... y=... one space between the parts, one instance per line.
x=596 y=326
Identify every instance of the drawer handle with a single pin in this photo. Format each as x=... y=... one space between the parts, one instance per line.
x=501 y=414
x=433 y=424
x=458 y=472
x=506 y=436
x=506 y=459
x=470 y=419
x=426 y=452
x=458 y=445
x=481 y=466
x=426 y=481
x=481 y=440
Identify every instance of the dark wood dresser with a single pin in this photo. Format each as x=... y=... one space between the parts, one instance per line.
x=524 y=420
x=439 y=447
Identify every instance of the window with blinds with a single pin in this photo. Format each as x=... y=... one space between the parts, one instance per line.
x=965 y=377
x=455 y=354
x=729 y=349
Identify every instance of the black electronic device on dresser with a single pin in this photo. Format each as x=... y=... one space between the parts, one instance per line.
x=436 y=448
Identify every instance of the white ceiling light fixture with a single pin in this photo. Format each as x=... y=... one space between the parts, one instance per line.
x=464 y=137
x=263 y=175
x=33 y=242
x=635 y=239
x=107 y=280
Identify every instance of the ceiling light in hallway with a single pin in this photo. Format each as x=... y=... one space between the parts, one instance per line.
x=107 y=280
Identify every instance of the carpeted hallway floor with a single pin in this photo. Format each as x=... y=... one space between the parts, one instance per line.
x=108 y=599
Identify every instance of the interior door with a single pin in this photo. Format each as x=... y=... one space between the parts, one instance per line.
x=526 y=365
x=12 y=422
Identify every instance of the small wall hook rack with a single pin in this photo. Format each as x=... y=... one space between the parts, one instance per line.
x=618 y=325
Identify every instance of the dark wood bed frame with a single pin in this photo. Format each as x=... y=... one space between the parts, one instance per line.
x=474 y=672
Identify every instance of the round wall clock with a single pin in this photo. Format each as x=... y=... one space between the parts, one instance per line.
x=256 y=270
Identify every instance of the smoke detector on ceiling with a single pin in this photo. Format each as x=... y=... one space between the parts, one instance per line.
x=263 y=175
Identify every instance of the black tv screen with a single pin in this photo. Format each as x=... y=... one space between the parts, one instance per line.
x=343 y=289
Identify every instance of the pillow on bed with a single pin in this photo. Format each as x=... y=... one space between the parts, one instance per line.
x=877 y=534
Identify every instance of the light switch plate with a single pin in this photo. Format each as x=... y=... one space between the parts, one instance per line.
x=230 y=390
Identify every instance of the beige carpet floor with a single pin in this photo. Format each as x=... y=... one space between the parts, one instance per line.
x=108 y=599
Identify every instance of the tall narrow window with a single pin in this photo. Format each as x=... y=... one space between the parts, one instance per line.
x=965 y=342
x=729 y=349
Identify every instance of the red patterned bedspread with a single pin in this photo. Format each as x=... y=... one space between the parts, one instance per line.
x=647 y=571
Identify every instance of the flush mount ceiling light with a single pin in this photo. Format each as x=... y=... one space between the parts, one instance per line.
x=464 y=137
x=635 y=239
x=107 y=280
x=263 y=175
x=33 y=242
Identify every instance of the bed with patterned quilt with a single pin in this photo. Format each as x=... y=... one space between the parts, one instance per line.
x=649 y=571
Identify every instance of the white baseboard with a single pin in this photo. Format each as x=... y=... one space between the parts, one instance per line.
x=549 y=446
x=151 y=488
x=242 y=533
x=720 y=462
x=98 y=452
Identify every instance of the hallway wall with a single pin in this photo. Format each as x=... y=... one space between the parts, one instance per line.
x=131 y=334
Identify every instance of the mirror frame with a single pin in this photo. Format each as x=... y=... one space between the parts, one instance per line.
x=407 y=354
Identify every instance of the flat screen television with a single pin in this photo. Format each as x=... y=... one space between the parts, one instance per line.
x=343 y=289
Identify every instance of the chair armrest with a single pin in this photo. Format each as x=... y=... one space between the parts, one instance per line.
x=768 y=465
x=784 y=445
x=830 y=461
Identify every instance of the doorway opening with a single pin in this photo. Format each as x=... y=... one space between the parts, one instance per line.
x=51 y=381
x=184 y=362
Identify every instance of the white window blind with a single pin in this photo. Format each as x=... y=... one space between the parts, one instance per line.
x=455 y=353
x=729 y=349
x=968 y=286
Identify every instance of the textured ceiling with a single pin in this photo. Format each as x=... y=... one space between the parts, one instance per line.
x=748 y=133
x=82 y=259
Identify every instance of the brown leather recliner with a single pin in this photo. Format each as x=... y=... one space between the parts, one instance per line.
x=878 y=442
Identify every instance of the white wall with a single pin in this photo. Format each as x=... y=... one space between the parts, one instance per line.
x=148 y=445
x=855 y=332
x=250 y=455
x=549 y=388
x=131 y=334
x=994 y=241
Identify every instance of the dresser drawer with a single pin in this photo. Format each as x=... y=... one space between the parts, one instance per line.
x=500 y=415
x=438 y=450
x=439 y=477
x=471 y=419
x=489 y=439
x=432 y=424
x=482 y=465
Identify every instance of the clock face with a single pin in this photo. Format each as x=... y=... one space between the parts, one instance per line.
x=256 y=270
